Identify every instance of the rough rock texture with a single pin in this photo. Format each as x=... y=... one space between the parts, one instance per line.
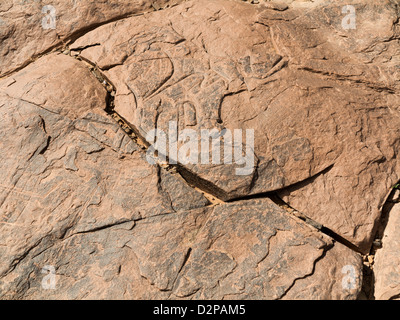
x=320 y=98
x=81 y=198
x=69 y=168
x=77 y=193
x=22 y=36
x=246 y=250
x=387 y=259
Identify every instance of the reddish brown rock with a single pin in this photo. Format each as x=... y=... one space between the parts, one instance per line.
x=68 y=161
x=320 y=98
x=24 y=36
x=79 y=198
x=387 y=259
x=246 y=250
x=87 y=206
x=255 y=250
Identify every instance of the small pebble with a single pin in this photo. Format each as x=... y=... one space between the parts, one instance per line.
x=371 y=259
x=377 y=243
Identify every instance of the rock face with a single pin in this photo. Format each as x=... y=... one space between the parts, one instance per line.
x=79 y=198
x=30 y=28
x=387 y=260
x=321 y=103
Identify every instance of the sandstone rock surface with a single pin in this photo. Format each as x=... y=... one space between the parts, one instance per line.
x=67 y=161
x=26 y=29
x=77 y=193
x=322 y=101
x=387 y=260
x=81 y=198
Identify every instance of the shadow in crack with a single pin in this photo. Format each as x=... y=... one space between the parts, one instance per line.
x=303 y=183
